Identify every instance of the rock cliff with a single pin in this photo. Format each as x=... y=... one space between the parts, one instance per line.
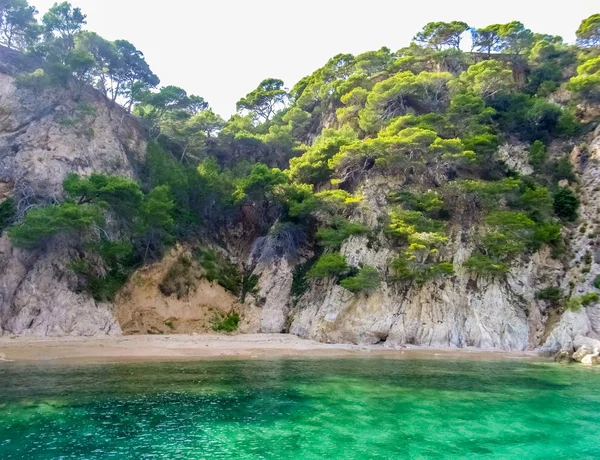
x=42 y=138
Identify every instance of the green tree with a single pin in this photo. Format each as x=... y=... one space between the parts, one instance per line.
x=566 y=203
x=265 y=100
x=588 y=33
x=587 y=80
x=516 y=39
x=439 y=35
x=18 y=27
x=62 y=21
x=130 y=74
x=487 y=79
x=43 y=222
x=155 y=225
x=312 y=166
x=486 y=39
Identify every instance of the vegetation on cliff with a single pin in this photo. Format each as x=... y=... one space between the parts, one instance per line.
x=291 y=163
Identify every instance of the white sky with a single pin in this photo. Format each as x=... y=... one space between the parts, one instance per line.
x=222 y=49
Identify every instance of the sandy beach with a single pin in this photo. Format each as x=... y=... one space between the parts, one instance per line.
x=214 y=346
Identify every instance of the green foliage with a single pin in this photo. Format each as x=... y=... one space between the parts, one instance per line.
x=596 y=282
x=119 y=262
x=18 y=26
x=566 y=204
x=402 y=94
x=549 y=294
x=404 y=223
x=219 y=269
x=537 y=154
x=366 y=279
x=562 y=169
x=487 y=79
x=420 y=273
x=588 y=33
x=226 y=323
x=36 y=81
x=333 y=237
x=300 y=280
x=8 y=209
x=587 y=80
x=439 y=35
x=576 y=302
x=312 y=167
x=265 y=100
x=43 y=222
x=486 y=265
x=328 y=265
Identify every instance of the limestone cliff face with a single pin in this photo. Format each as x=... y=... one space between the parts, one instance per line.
x=584 y=241
x=42 y=138
x=462 y=310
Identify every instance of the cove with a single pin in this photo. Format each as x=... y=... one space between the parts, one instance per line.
x=352 y=408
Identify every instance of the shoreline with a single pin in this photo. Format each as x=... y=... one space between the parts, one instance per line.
x=136 y=348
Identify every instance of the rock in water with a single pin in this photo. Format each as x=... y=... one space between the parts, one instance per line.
x=563 y=357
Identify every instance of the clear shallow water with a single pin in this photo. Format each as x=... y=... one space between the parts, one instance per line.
x=300 y=409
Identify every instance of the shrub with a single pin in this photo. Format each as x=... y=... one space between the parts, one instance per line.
x=8 y=210
x=563 y=170
x=219 y=269
x=566 y=204
x=181 y=278
x=226 y=323
x=333 y=237
x=420 y=273
x=537 y=153
x=486 y=265
x=550 y=294
x=589 y=298
x=596 y=282
x=576 y=302
x=367 y=279
x=328 y=265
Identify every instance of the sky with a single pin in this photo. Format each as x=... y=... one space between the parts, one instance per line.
x=222 y=49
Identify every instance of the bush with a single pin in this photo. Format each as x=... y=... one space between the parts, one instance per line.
x=576 y=302
x=486 y=265
x=420 y=273
x=227 y=323
x=550 y=294
x=563 y=170
x=367 y=279
x=8 y=210
x=181 y=279
x=219 y=269
x=333 y=237
x=537 y=154
x=328 y=265
x=566 y=204
x=596 y=282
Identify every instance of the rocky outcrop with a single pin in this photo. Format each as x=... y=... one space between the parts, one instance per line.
x=43 y=137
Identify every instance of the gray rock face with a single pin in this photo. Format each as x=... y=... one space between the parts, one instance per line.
x=43 y=138
x=580 y=275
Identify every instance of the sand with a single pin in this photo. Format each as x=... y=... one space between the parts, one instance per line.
x=213 y=346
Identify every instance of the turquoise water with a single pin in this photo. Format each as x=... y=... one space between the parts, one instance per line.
x=300 y=409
